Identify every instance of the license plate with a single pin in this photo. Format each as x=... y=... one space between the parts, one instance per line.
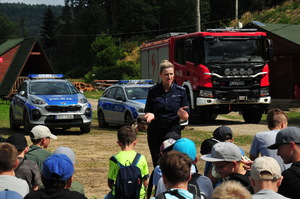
x=237 y=83
x=64 y=117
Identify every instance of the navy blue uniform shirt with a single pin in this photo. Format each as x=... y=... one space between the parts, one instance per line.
x=164 y=105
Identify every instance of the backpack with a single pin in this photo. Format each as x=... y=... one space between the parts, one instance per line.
x=174 y=193
x=192 y=188
x=129 y=179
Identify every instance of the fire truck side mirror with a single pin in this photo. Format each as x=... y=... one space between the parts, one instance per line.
x=271 y=49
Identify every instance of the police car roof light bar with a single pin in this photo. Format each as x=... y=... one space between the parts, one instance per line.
x=46 y=76
x=136 y=81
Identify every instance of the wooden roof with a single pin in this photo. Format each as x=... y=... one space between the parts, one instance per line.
x=20 y=57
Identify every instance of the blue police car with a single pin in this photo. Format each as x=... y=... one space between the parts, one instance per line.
x=123 y=103
x=50 y=100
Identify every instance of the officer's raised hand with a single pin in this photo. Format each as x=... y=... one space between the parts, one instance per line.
x=149 y=117
x=183 y=115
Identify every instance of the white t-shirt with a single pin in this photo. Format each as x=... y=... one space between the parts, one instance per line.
x=13 y=183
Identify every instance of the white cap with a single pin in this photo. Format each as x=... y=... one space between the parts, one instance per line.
x=40 y=132
x=265 y=164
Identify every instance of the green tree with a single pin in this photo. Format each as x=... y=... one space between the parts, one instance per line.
x=49 y=25
x=108 y=63
x=8 y=28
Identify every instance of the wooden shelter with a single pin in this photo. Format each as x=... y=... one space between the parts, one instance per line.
x=18 y=58
x=284 y=68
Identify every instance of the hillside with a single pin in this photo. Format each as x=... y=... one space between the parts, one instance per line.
x=287 y=13
x=27 y=16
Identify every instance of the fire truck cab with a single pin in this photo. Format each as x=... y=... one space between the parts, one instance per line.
x=222 y=70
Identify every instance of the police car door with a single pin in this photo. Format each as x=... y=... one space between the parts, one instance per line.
x=119 y=107
x=19 y=101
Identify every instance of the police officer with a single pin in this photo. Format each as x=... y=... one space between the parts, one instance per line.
x=166 y=106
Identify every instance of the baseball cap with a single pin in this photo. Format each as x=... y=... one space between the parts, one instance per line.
x=186 y=146
x=39 y=132
x=167 y=144
x=172 y=134
x=10 y=195
x=223 y=151
x=207 y=145
x=67 y=151
x=18 y=140
x=58 y=164
x=286 y=135
x=222 y=133
x=267 y=164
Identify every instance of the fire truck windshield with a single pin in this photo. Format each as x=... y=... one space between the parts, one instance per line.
x=228 y=50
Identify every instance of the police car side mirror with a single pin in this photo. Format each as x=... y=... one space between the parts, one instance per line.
x=23 y=93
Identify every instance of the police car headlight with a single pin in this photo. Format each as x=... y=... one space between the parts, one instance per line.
x=37 y=101
x=82 y=100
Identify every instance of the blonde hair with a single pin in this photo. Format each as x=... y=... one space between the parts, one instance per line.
x=165 y=64
x=231 y=190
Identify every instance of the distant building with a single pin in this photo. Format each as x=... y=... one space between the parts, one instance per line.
x=285 y=67
x=18 y=58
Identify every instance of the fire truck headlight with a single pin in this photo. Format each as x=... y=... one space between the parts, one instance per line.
x=227 y=71
x=206 y=93
x=249 y=71
x=242 y=71
x=264 y=92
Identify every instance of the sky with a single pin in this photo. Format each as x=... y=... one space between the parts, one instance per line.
x=47 y=2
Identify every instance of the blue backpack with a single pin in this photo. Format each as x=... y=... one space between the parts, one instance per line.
x=129 y=179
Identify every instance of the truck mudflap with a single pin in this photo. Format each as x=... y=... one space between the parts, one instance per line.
x=241 y=100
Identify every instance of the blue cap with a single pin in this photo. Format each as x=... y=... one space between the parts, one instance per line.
x=186 y=146
x=10 y=195
x=58 y=164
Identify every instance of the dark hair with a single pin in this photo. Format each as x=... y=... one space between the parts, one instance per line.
x=176 y=167
x=126 y=135
x=8 y=156
x=55 y=182
x=275 y=117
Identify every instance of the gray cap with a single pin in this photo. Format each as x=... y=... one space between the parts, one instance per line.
x=286 y=135
x=66 y=151
x=223 y=151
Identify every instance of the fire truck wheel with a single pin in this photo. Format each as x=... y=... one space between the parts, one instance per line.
x=252 y=116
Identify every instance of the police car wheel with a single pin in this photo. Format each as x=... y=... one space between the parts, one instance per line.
x=27 y=125
x=128 y=120
x=101 y=119
x=12 y=123
x=85 y=129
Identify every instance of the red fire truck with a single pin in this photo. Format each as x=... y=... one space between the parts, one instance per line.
x=222 y=70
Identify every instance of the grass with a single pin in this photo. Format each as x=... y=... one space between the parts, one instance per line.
x=4 y=114
x=93 y=94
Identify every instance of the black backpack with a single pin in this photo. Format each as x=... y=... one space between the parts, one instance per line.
x=129 y=179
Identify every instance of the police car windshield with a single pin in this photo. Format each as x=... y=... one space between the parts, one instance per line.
x=52 y=88
x=137 y=92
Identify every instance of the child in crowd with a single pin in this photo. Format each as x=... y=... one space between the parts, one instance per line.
x=26 y=169
x=227 y=161
x=127 y=141
x=40 y=137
